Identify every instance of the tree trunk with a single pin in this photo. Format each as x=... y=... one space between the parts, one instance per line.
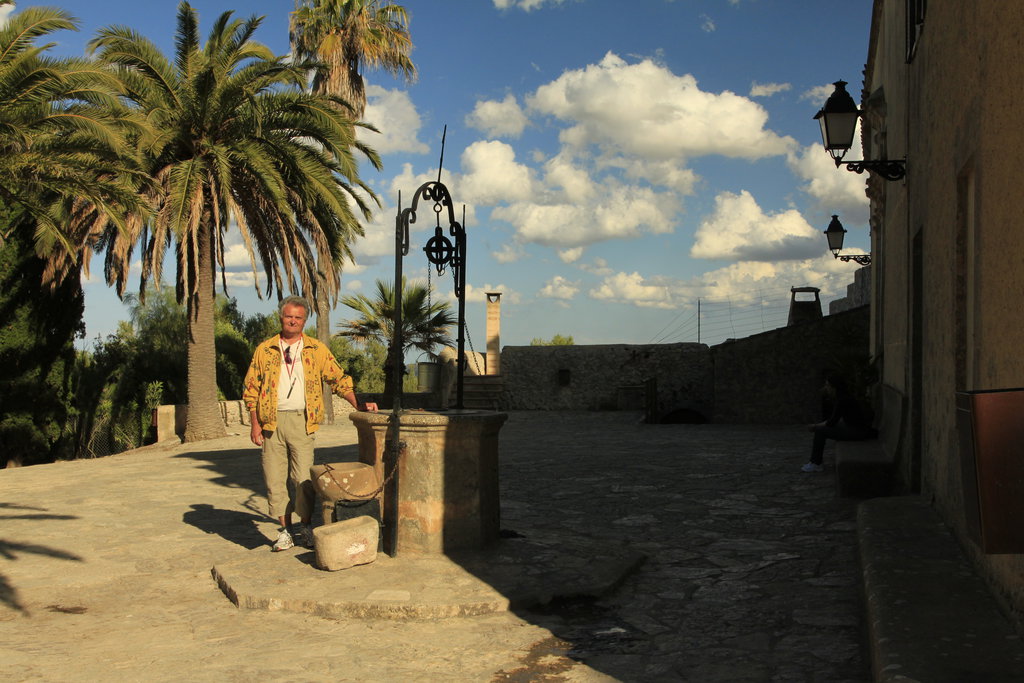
x=323 y=333
x=204 y=420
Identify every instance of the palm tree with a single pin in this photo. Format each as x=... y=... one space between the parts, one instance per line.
x=65 y=177
x=64 y=157
x=344 y=35
x=234 y=139
x=425 y=322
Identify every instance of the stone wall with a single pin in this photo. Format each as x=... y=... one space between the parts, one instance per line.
x=776 y=377
x=858 y=292
x=170 y=419
x=607 y=377
x=770 y=378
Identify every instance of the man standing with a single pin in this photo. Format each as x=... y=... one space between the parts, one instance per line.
x=284 y=396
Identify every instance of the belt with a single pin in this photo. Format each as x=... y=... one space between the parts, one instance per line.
x=292 y=411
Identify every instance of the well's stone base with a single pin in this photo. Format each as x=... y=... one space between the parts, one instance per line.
x=442 y=493
x=514 y=573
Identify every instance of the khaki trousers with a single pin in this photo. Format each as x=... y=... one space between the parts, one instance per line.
x=287 y=457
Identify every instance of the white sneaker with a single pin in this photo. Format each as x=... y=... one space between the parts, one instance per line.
x=812 y=467
x=284 y=541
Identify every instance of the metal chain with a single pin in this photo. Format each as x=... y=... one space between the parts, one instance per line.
x=465 y=327
x=360 y=496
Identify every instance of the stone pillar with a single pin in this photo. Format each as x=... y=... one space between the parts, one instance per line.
x=169 y=421
x=493 y=333
x=444 y=495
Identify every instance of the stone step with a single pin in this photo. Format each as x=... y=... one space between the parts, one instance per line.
x=480 y=392
x=485 y=379
x=930 y=616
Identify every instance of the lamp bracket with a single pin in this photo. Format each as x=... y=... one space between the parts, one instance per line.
x=890 y=169
x=859 y=259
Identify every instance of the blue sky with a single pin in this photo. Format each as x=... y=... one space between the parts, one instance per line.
x=617 y=161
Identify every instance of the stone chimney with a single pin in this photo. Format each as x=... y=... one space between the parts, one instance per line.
x=493 y=333
x=803 y=309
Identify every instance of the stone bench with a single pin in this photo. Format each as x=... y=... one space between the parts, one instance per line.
x=864 y=469
x=867 y=469
x=929 y=615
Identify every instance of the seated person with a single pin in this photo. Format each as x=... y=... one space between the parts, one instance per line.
x=846 y=423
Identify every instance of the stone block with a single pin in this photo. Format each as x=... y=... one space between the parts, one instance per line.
x=169 y=421
x=345 y=480
x=342 y=545
x=336 y=481
x=346 y=509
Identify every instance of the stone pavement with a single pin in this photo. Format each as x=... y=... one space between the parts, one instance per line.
x=751 y=570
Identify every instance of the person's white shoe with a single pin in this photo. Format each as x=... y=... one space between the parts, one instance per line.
x=812 y=467
x=284 y=541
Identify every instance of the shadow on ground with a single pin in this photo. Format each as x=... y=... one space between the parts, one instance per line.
x=240 y=468
x=10 y=550
x=231 y=525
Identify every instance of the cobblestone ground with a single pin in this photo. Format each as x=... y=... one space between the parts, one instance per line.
x=751 y=573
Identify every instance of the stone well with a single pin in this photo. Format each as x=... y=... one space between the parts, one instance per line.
x=442 y=494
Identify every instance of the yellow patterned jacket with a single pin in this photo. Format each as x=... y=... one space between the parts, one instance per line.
x=260 y=388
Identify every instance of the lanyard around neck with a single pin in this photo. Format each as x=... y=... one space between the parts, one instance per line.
x=287 y=350
x=290 y=365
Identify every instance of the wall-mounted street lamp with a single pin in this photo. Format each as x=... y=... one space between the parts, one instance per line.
x=835 y=234
x=838 y=119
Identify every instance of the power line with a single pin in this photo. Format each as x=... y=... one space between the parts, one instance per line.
x=732 y=317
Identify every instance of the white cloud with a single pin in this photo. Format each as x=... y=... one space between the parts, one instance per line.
x=667 y=173
x=559 y=288
x=740 y=230
x=752 y=281
x=479 y=294
x=621 y=171
x=742 y=284
x=379 y=241
x=768 y=89
x=498 y=119
x=818 y=94
x=393 y=114
x=244 y=279
x=236 y=256
x=622 y=213
x=631 y=288
x=598 y=267
x=572 y=180
x=5 y=13
x=707 y=24
x=351 y=268
x=668 y=117
x=525 y=5
x=509 y=253
x=492 y=174
x=570 y=255
x=835 y=190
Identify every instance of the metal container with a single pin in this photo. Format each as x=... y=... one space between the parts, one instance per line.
x=428 y=377
x=990 y=424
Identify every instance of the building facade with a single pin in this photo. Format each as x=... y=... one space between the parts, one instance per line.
x=942 y=90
